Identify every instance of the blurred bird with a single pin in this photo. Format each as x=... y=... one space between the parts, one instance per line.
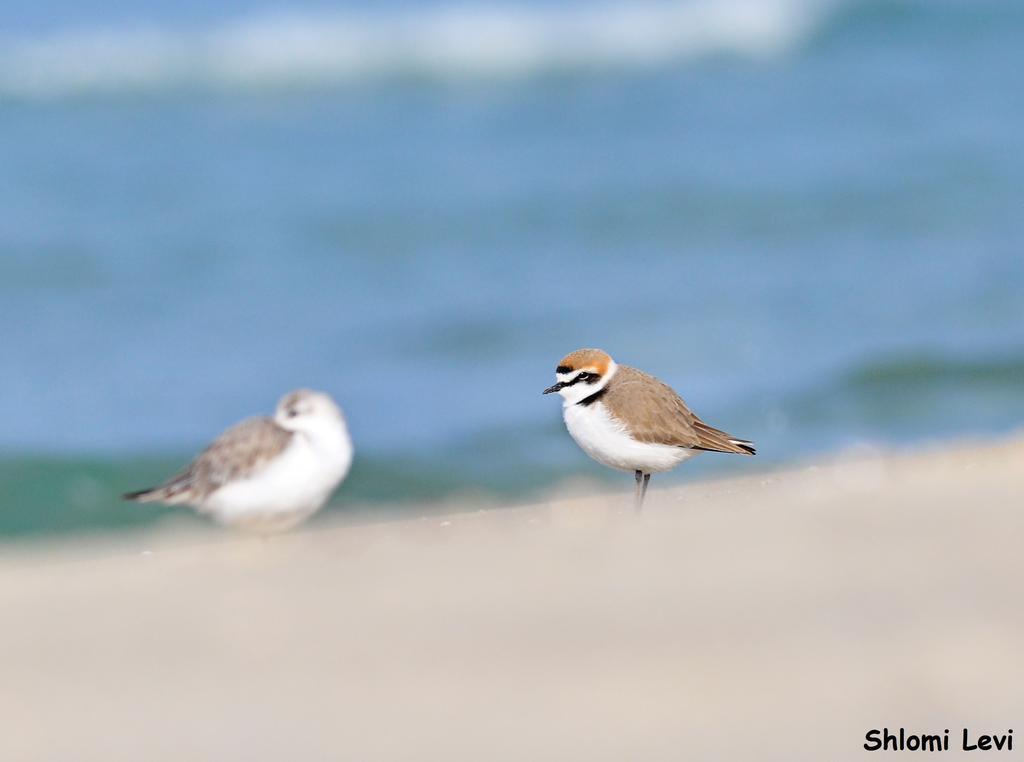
x=628 y=420
x=266 y=474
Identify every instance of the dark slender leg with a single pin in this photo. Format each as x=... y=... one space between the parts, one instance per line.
x=638 y=498
x=643 y=490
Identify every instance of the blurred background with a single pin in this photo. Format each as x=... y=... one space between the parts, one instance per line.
x=806 y=215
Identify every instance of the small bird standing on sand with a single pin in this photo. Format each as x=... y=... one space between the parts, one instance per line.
x=627 y=420
x=266 y=474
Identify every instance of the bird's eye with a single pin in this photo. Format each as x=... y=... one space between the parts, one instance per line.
x=292 y=412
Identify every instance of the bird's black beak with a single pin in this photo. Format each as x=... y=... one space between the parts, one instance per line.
x=554 y=388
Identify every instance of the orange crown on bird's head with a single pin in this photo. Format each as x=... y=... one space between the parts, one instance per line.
x=592 y=360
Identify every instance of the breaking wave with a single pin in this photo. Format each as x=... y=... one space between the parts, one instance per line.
x=445 y=43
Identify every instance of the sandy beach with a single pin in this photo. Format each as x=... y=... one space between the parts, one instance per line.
x=778 y=616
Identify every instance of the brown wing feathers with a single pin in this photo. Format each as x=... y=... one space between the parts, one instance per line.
x=237 y=453
x=653 y=412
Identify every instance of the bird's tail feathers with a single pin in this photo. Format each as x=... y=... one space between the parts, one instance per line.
x=743 y=444
x=716 y=440
x=142 y=496
x=168 y=493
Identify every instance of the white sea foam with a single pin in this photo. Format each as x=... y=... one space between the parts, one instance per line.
x=448 y=43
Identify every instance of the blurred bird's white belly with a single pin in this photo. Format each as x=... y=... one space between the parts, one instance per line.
x=290 y=488
x=607 y=441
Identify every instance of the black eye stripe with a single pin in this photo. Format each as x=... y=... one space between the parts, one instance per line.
x=586 y=378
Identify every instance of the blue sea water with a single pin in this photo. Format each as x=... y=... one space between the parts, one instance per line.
x=807 y=216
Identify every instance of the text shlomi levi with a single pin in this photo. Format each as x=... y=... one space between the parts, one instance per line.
x=901 y=740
